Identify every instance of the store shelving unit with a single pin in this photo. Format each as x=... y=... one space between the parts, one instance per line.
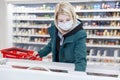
x=101 y=21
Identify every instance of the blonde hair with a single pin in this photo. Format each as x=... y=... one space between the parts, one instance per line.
x=64 y=8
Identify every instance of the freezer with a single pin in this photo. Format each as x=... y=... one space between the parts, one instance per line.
x=13 y=69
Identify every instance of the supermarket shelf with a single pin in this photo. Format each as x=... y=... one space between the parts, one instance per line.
x=88 y=45
x=93 y=37
x=53 y=1
x=30 y=17
x=103 y=63
x=85 y=27
x=99 y=19
x=42 y=19
x=84 y=19
x=104 y=37
x=101 y=57
x=30 y=27
x=30 y=35
x=35 y=11
x=78 y=11
x=103 y=46
x=99 y=10
x=118 y=58
x=101 y=27
x=38 y=43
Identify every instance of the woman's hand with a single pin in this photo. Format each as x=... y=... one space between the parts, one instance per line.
x=35 y=53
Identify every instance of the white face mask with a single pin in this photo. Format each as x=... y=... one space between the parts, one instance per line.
x=65 y=26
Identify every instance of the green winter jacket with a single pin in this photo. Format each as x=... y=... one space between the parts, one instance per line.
x=73 y=49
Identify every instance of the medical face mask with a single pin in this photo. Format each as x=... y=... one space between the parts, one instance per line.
x=65 y=26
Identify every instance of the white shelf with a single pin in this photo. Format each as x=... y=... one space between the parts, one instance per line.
x=52 y=1
x=88 y=45
x=118 y=58
x=35 y=11
x=83 y=19
x=101 y=57
x=78 y=11
x=100 y=19
x=103 y=46
x=38 y=43
x=104 y=37
x=35 y=26
x=42 y=19
x=101 y=27
x=99 y=10
x=85 y=27
x=30 y=35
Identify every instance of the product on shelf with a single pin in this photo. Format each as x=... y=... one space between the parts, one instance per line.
x=117 y=5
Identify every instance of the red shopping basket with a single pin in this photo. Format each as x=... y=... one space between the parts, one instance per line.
x=19 y=53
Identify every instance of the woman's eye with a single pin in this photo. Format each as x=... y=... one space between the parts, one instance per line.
x=68 y=20
x=61 y=21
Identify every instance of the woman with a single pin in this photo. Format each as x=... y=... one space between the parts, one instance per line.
x=68 y=39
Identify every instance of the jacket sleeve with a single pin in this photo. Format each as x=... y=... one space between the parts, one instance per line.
x=80 y=53
x=46 y=50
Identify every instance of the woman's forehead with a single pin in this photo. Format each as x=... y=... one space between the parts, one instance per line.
x=63 y=16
